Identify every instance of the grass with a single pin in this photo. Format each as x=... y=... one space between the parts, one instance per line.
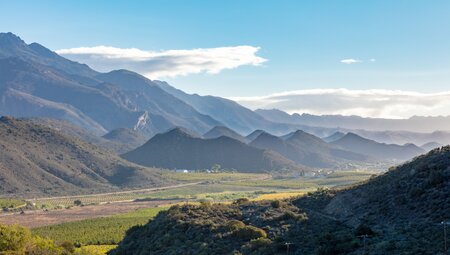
x=98 y=231
x=96 y=249
x=10 y=203
x=280 y=195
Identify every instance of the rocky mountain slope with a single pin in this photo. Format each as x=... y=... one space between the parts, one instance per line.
x=40 y=161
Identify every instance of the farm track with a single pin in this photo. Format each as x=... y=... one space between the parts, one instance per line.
x=118 y=192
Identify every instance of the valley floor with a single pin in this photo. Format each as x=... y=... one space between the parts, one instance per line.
x=104 y=218
x=39 y=218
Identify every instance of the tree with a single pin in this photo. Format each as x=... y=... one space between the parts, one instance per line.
x=77 y=202
x=14 y=238
x=216 y=168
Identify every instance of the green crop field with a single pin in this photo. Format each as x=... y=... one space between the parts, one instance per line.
x=9 y=203
x=104 y=231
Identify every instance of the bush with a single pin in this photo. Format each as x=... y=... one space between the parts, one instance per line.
x=234 y=225
x=44 y=246
x=240 y=201
x=363 y=229
x=276 y=204
x=260 y=242
x=14 y=238
x=250 y=232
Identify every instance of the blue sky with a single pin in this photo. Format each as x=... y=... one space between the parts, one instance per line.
x=302 y=41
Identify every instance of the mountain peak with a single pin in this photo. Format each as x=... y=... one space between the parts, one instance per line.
x=10 y=39
x=180 y=131
x=219 y=131
x=301 y=135
x=252 y=136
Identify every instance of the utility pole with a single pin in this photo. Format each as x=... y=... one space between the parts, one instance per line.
x=364 y=237
x=287 y=247
x=445 y=223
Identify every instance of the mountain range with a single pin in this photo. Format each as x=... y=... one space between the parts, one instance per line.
x=177 y=149
x=37 y=82
x=413 y=124
x=307 y=149
x=381 y=151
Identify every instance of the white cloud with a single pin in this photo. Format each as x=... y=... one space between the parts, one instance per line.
x=372 y=60
x=350 y=61
x=170 y=63
x=366 y=103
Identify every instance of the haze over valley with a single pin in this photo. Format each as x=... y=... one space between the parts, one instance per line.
x=248 y=141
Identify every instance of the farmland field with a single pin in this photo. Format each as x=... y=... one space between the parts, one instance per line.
x=10 y=203
x=105 y=230
x=99 y=225
x=212 y=186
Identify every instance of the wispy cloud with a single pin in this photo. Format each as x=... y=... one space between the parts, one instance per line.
x=367 y=103
x=169 y=63
x=350 y=61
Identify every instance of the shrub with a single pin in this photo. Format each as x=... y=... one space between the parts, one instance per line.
x=276 y=204
x=363 y=229
x=260 y=242
x=240 y=201
x=44 y=246
x=14 y=238
x=234 y=225
x=250 y=232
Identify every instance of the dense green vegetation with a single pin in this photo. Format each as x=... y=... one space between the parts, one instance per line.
x=242 y=227
x=105 y=230
x=16 y=240
x=10 y=203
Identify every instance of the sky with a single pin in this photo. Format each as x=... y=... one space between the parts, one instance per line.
x=372 y=58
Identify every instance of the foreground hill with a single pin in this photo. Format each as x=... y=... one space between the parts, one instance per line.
x=118 y=141
x=358 y=144
x=307 y=150
x=180 y=150
x=399 y=213
x=38 y=160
